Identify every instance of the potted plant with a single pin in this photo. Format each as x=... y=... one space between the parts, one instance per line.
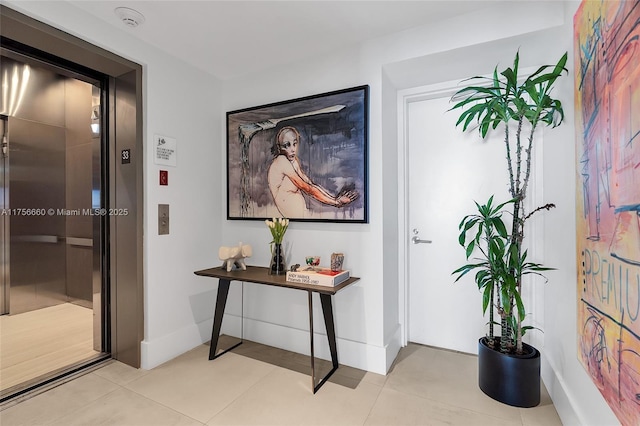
x=509 y=370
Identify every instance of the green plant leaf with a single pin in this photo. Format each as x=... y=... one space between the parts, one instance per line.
x=519 y=305
x=500 y=227
x=465 y=269
x=470 y=248
x=486 y=299
x=505 y=298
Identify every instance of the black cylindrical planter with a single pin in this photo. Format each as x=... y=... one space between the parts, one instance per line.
x=511 y=379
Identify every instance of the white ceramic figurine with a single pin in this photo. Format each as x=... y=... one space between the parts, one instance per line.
x=234 y=256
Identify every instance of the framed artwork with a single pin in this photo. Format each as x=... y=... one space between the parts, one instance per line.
x=304 y=159
x=607 y=96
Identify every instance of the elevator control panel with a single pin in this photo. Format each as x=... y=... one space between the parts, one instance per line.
x=163 y=219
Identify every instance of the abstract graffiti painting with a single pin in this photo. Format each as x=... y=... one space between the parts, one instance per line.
x=303 y=159
x=607 y=96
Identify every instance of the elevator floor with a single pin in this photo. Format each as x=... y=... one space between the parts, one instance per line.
x=38 y=342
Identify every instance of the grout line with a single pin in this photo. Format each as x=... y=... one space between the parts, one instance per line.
x=181 y=414
x=375 y=401
x=253 y=385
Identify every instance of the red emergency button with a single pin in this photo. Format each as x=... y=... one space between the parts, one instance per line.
x=164 y=177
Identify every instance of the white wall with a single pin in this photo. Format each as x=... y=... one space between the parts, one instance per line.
x=185 y=104
x=367 y=313
x=280 y=317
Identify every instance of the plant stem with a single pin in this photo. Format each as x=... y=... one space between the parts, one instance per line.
x=491 y=307
x=504 y=340
x=509 y=166
x=529 y=152
x=516 y=240
x=516 y=184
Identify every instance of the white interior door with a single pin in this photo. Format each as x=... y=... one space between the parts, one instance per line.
x=447 y=171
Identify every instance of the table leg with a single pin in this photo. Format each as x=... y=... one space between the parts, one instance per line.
x=313 y=365
x=327 y=311
x=221 y=302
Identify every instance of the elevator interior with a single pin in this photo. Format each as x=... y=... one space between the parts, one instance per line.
x=51 y=190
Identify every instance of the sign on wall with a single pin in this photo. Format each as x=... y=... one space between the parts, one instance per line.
x=165 y=151
x=607 y=96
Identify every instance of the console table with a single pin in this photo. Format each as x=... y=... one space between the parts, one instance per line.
x=260 y=275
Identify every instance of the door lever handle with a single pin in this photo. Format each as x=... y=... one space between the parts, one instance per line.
x=416 y=240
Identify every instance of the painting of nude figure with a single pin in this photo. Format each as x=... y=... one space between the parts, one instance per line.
x=304 y=159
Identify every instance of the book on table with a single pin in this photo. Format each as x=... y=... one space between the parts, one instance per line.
x=318 y=276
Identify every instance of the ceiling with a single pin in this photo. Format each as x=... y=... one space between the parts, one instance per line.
x=231 y=38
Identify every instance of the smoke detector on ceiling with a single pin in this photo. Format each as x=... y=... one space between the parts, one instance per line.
x=130 y=17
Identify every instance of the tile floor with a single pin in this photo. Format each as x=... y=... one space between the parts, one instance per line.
x=426 y=386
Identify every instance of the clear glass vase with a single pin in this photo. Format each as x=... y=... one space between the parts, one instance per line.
x=277 y=266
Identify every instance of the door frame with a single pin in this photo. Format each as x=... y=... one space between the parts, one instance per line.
x=123 y=245
x=404 y=98
x=534 y=242
x=4 y=244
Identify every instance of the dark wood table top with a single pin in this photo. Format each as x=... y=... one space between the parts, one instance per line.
x=260 y=275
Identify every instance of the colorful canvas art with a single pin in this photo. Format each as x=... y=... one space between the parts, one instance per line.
x=607 y=96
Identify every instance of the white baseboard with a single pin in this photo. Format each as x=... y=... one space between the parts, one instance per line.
x=360 y=355
x=557 y=390
x=392 y=346
x=165 y=348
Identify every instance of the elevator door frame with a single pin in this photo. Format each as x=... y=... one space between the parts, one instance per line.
x=123 y=245
x=4 y=281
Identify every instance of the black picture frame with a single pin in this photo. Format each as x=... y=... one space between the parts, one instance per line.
x=318 y=172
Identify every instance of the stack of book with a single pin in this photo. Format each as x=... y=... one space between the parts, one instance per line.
x=318 y=276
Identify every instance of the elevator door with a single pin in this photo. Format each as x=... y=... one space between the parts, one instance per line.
x=51 y=185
